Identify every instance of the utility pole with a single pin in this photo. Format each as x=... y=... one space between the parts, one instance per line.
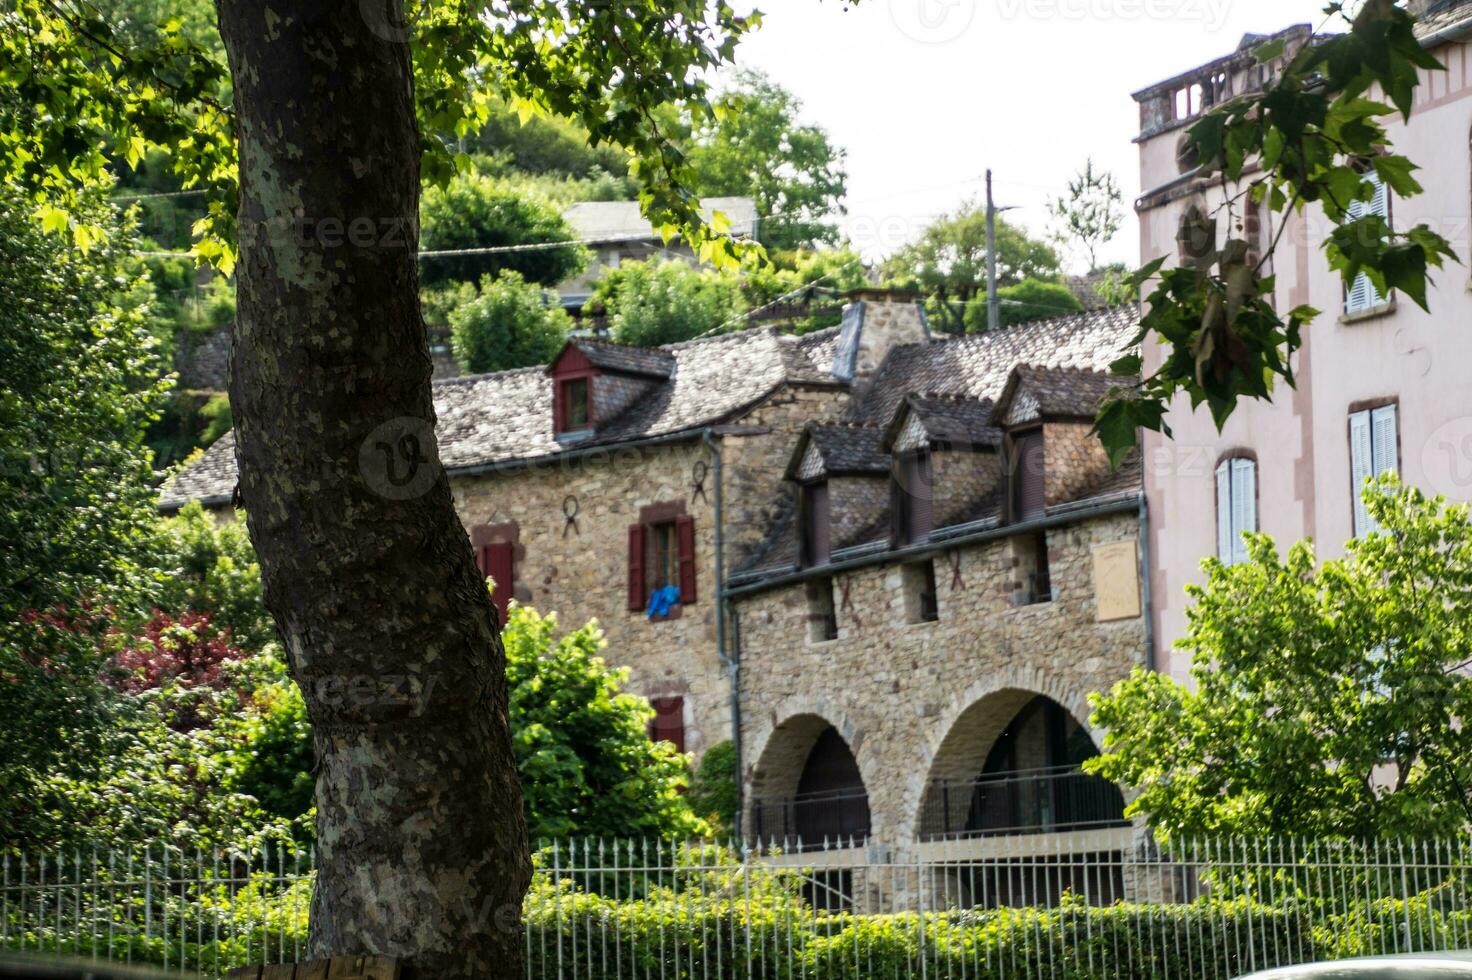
x=993 y=303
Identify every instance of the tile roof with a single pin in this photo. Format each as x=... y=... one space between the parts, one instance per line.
x=651 y=361
x=978 y=366
x=958 y=420
x=507 y=416
x=1437 y=16
x=844 y=448
x=1056 y=392
x=615 y=221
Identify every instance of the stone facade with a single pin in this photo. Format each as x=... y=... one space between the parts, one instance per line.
x=1074 y=460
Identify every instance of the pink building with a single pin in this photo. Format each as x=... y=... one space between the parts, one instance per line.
x=1381 y=384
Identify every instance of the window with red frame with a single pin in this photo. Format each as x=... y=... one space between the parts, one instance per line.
x=497 y=562
x=575 y=399
x=668 y=723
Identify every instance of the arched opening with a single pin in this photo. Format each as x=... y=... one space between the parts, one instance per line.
x=807 y=787
x=1010 y=765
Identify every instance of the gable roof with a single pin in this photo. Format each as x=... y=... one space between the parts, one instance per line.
x=650 y=361
x=977 y=366
x=622 y=221
x=1055 y=392
x=506 y=417
x=844 y=449
x=958 y=420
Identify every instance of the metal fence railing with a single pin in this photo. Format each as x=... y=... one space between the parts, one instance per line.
x=1049 y=800
x=1097 y=903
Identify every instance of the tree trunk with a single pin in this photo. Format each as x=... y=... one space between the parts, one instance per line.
x=367 y=570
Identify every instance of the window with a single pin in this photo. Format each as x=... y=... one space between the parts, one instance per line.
x=668 y=723
x=1033 y=581
x=496 y=563
x=1236 y=508
x=576 y=397
x=822 y=617
x=661 y=555
x=1373 y=449
x=921 y=604
x=1028 y=499
x=1362 y=294
x=817 y=530
x=911 y=499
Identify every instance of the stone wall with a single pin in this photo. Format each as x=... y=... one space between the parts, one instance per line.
x=961 y=478
x=1073 y=461
x=919 y=700
x=857 y=503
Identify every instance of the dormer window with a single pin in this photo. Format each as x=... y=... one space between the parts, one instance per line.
x=1028 y=500
x=913 y=498
x=576 y=397
x=817 y=524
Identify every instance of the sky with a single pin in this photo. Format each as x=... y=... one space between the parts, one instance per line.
x=925 y=95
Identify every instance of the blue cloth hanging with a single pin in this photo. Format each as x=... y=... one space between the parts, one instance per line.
x=662 y=600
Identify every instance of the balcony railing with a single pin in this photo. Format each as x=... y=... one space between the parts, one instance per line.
x=813 y=820
x=1027 y=801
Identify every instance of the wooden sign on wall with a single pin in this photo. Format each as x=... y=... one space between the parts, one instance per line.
x=1117 y=581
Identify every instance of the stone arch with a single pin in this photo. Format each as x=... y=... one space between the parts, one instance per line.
x=970 y=726
x=807 y=782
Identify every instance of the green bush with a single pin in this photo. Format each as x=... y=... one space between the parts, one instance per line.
x=205 y=566
x=653 y=303
x=714 y=793
x=1031 y=299
x=475 y=211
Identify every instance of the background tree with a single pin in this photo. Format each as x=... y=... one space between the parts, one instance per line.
x=1030 y=299
x=1090 y=213
x=1327 y=699
x=208 y=566
x=663 y=301
x=549 y=145
x=756 y=146
x=509 y=324
x=948 y=262
x=474 y=211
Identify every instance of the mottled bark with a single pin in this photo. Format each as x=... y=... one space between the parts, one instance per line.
x=367 y=569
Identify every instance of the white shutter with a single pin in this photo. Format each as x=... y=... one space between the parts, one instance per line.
x=1386 y=457
x=1362 y=293
x=1224 y=512
x=1244 y=505
x=1361 y=459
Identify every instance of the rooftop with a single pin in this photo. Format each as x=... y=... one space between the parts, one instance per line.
x=621 y=221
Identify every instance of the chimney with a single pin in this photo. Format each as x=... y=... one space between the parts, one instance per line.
x=876 y=321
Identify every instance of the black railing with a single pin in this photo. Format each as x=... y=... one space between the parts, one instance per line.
x=1030 y=801
x=813 y=820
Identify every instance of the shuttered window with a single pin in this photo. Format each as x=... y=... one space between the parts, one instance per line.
x=668 y=723
x=817 y=524
x=1362 y=294
x=1373 y=449
x=913 y=499
x=496 y=563
x=662 y=554
x=1236 y=508
x=1028 y=500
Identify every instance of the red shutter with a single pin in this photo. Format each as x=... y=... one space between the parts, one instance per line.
x=496 y=563
x=668 y=723
x=559 y=406
x=636 y=567
x=685 y=541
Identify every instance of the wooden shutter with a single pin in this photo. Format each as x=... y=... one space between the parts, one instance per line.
x=1224 y=549
x=1361 y=463
x=1244 y=505
x=1385 y=457
x=1028 y=475
x=636 y=567
x=817 y=524
x=497 y=564
x=922 y=493
x=1362 y=293
x=685 y=543
x=668 y=723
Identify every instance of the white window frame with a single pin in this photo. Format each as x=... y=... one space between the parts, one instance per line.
x=1236 y=507
x=1374 y=448
x=1362 y=296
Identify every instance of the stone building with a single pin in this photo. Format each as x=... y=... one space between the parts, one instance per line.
x=891 y=567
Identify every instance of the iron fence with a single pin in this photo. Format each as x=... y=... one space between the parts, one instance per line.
x=1053 y=799
x=1097 y=903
